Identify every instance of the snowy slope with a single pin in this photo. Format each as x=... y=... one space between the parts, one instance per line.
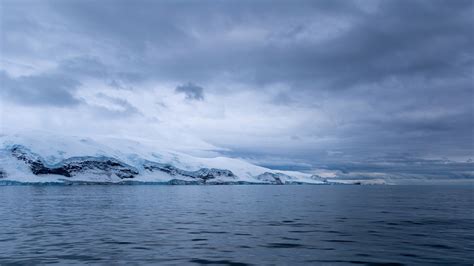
x=45 y=157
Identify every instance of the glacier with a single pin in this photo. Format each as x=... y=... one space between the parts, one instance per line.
x=40 y=157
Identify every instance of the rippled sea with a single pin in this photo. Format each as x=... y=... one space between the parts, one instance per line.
x=237 y=225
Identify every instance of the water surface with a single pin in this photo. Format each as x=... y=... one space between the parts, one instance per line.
x=237 y=225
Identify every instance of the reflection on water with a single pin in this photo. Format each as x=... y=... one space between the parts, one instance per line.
x=237 y=225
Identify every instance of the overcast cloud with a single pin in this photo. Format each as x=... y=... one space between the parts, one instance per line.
x=353 y=86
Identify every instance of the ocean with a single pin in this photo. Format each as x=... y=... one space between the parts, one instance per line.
x=237 y=225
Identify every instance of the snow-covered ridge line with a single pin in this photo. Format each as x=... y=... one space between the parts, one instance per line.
x=115 y=171
x=58 y=159
x=51 y=159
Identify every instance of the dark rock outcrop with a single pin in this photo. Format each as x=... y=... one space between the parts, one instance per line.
x=74 y=166
x=202 y=174
x=33 y=161
x=106 y=166
x=212 y=173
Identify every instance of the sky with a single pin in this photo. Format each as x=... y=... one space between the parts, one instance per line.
x=364 y=88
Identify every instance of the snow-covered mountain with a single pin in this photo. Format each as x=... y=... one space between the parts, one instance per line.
x=43 y=157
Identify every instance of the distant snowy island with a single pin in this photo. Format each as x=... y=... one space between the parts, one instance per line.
x=27 y=158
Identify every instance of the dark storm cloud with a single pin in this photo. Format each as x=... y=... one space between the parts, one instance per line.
x=192 y=91
x=399 y=39
x=39 y=90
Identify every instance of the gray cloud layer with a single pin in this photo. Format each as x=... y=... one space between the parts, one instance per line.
x=52 y=90
x=344 y=81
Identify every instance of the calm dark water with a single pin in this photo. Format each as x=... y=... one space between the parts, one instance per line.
x=237 y=225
